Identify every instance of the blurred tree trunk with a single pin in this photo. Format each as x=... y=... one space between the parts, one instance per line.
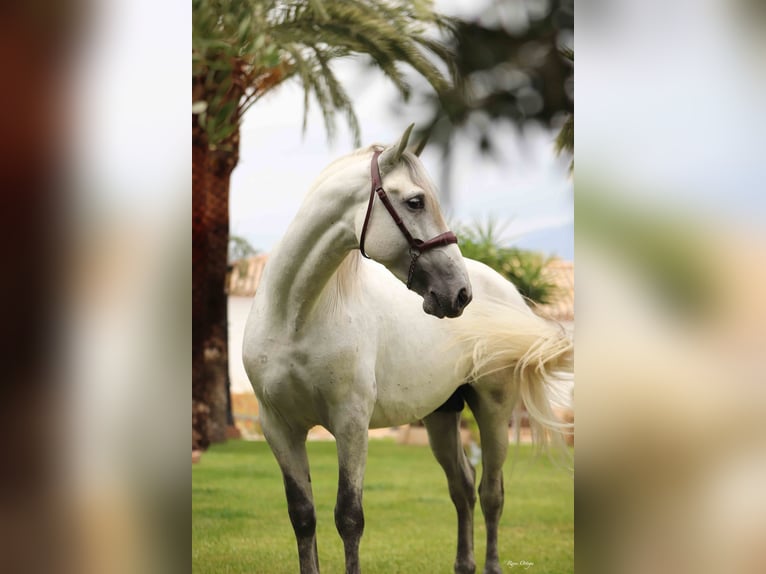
x=200 y=408
x=38 y=44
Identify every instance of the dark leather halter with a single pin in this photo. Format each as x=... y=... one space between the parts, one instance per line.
x=417 y=246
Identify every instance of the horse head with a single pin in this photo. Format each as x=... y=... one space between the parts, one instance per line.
x=412 y=240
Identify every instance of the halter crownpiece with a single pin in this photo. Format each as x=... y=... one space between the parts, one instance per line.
x=417 y=246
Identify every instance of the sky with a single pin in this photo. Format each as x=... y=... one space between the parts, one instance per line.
x=527 y=190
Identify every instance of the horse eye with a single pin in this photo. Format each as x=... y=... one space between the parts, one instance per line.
x=416 y=203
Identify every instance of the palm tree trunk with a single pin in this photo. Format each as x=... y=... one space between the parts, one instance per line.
x=212 y=166
x=211 y=174
x=220 y=164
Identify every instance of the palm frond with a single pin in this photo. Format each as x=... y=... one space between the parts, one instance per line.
x=340 y=98
x=241 y=40
x=565 y=139
x=303 y=70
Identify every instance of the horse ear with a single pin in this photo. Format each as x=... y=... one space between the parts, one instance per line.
x=421 y=144
x=393 y=154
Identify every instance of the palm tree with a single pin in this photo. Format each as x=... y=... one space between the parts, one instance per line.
x=241 y=50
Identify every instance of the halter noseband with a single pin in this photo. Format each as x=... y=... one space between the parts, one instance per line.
x=417 y=246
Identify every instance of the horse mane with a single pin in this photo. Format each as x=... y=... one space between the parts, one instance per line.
x=415 y=168
x=335 y=165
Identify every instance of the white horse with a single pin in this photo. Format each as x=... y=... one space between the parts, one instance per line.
x=335 y=340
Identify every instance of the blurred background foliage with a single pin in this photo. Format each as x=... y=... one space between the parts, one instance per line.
x=514 y=63
x=525 y=269
x=240 y=248
x=672 y=254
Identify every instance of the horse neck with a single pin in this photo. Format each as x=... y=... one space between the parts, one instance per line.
x=314 y=246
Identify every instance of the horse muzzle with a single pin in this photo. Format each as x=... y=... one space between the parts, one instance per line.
x=441 y=278
x=451 y=305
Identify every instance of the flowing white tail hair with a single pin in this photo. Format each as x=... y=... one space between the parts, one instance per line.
x=498 y=338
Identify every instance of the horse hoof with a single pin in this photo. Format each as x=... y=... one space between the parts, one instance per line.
x=465 y=567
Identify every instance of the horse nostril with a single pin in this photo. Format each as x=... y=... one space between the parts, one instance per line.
x=463 y=298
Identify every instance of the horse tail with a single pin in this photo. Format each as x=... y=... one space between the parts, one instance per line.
x=535 y=355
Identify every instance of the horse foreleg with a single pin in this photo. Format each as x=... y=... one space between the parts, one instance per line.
x=444 y=437
x=492 y=411
x=289 y=448
x=351 y=440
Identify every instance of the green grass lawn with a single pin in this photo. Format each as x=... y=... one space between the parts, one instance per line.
x=240 y=522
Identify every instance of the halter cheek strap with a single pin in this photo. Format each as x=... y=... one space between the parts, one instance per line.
x=417 y=246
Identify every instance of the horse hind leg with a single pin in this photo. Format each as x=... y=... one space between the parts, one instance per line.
x=289 y=448
x=492 y=410
x=444 y=437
